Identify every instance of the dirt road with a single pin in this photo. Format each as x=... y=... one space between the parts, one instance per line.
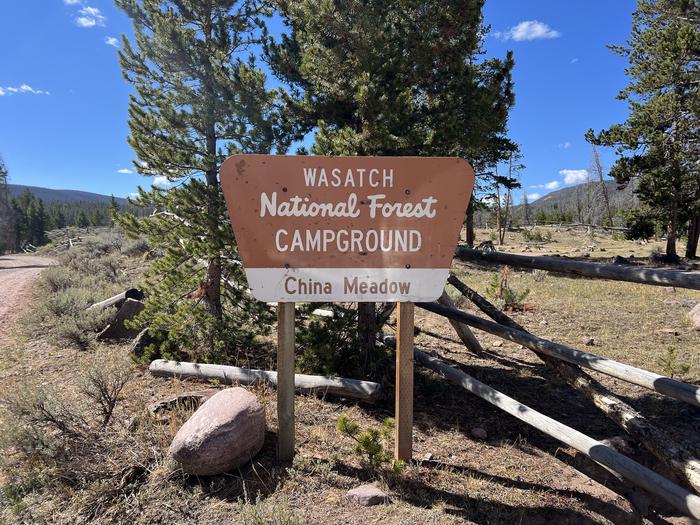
x=17 y=273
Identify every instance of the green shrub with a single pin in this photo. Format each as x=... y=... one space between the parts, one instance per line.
x=135 y=247
x=504 y=295
x=266 y=512
x=56 y=279
x=536 y=235
x=330 y=345
x=372 y=444
x=671 y=364
x=641 y=224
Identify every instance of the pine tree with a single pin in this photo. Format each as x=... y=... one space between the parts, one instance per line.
x=199 y=98
x=394 y=78
x=7 y=219
x=658 y=142
x=81 y=220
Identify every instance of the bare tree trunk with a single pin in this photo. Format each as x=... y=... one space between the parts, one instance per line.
x=470 y=222
x=367 y=331
x=604 y=189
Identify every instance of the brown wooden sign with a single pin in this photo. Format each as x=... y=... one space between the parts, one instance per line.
x=315 y=228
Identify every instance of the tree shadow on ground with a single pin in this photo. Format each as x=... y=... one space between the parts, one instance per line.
x=480 y=510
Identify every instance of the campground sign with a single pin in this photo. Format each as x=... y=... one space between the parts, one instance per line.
x=354 y=229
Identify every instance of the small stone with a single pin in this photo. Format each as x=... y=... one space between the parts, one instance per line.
x=427 y=457
x=586 y=254
x=543 y=322
x=497 y=344
x=669 y=331
x=694 y=316
x=589 y=341
x=479 y=433
x=367 y=495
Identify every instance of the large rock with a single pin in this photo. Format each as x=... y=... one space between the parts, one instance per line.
x=116 y=329
x=367 y=495
x=694 y=317
x=228 y=430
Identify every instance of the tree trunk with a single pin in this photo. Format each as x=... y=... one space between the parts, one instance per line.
x=367 y=331
x=228 y=375
x=691 y=249
x=213 y=282
x=672 y=233
x=470 y=222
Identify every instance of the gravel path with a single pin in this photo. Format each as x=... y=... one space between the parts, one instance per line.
x=17 y=273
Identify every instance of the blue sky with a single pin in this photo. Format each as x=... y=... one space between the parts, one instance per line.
x=63 y=102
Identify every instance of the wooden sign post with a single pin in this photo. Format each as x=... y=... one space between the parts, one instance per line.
x=351 y=229
x=404 y=382
x=285 y=382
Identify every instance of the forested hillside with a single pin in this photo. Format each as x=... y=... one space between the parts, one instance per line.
x=582 y=203
x=29 y=212
x=49 y=195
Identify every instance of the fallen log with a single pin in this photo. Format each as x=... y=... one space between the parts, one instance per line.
x=652 y=276
x=227 y=375
x=676 y=456
x=636 y=376
x=117 y=300
x=677 y=496
x=463 y=331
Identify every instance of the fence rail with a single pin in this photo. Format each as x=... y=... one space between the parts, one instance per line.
x=615 y=272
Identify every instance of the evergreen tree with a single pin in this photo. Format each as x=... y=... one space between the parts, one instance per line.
x=82 y=221
x=7 y=219
x=658 y=142
x=394 y=78
x=199 y=98
x=30 y=220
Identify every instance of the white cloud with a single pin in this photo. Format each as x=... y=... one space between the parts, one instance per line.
x=111 y=41
x=90 y=17
x=161 y=181
x=528 y=30
x=533 y=196
x=72 y=2
x=124 y=170
x=564 y=145
x=574 y=176
x=24 y=88
x=574 y=60
x=553 y=185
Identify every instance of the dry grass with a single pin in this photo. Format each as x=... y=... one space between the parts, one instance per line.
x=515 y=475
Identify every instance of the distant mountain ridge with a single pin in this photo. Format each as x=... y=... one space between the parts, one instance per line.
x=49 y=195
x=570 y=198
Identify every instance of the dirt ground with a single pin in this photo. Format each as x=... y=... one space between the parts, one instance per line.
x=17 y=273
x=514 y=475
